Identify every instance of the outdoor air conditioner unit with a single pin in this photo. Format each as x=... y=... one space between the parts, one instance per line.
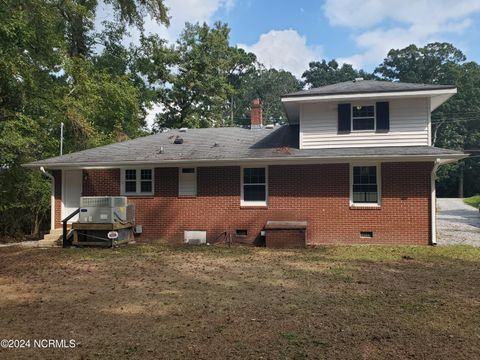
x=104 y=209
x=195 y=237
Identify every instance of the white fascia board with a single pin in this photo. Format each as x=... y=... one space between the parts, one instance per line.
x=393 y=94
x=265 y=161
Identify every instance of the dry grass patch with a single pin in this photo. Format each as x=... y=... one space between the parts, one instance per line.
x=159 y=301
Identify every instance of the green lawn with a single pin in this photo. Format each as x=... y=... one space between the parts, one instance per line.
x=158 y=301
x=473 y=201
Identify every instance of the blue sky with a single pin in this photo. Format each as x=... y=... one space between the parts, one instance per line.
x=289 y=34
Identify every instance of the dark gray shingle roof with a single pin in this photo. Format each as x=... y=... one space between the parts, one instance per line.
x=367 y=86
x=222 y=144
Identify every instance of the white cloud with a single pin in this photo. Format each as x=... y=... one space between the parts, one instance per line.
x=180 y=12
x=372 y=12
x=415 y=22
x=284 y=49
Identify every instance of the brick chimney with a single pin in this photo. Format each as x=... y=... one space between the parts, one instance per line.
x=256 y=120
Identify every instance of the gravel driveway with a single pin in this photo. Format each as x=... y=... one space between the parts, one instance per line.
x=457 y=223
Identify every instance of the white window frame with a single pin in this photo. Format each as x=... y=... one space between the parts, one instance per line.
x=253 y=203
x=138 y=181
x=379 y=184
x=179 y=180
x=364 y=117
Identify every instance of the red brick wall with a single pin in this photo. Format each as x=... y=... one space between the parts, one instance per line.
x=256 y=112
x=104 y=182
x=318 y=194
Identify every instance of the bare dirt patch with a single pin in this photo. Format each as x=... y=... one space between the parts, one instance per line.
x=157 y=301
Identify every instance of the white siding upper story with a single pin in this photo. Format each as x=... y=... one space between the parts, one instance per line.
x=409 y=125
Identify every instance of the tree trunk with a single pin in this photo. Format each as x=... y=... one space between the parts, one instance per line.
x=78 y=37
x=37 y=223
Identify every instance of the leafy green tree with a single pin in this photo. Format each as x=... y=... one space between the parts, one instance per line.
x=25 y=195
x=202 y=85
x=321 y=73
x=48 y=75
x=456 y=124
x=30 y=52
x=153 y=61
x=269 y=85
x=428 y=64
x=78 y=17
x=99 y=107
x=114 y=57
x=133 y=12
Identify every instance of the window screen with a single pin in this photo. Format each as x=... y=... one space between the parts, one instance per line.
x=131 y=181
x=365 y=188
x=254 y=185
x=363 y=117
x=138 y=181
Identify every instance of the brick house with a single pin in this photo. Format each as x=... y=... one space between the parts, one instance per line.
x=354 y=162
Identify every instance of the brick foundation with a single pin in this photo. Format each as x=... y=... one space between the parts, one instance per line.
x=318 y=194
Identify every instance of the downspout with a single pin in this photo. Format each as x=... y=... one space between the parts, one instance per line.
x=433 y=201
x=52 y=197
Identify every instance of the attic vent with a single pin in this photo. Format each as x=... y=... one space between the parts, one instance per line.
x=358 y=79
x=184 y=129
x=178 y=140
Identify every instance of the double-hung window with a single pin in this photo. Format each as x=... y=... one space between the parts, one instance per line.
x=137 y=181
x=365 y=185
x=254 y=186
x=363 y=117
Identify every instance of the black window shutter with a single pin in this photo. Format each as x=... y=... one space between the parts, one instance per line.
x=383 y=116
x=344 y=118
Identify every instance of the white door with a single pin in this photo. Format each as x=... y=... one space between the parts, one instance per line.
x=71 y=192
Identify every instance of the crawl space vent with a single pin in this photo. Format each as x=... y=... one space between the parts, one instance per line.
x=366 y=234
x=241 y=232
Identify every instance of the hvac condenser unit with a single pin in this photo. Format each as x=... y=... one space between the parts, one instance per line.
x=103 y=209
x=195 y=237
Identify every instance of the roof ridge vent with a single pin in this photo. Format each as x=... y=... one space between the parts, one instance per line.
x=358 y=79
